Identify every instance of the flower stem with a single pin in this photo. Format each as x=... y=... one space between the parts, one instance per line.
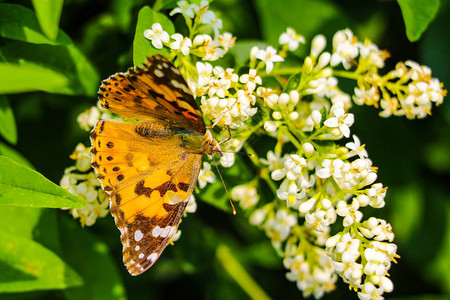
x=238 y=273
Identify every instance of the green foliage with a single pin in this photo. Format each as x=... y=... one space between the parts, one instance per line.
x=20 y=23
x=7 y=123
x=44 y=249
x=417 y=15
x=21 y=186
x=25 y=263
x=141 y=46
x=48 y=14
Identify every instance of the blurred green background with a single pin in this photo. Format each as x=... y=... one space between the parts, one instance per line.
x=413 y=156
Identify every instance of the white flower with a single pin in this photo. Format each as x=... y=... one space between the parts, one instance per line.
x=368 y=97
x=274 y=160
x=192 y=205
x=356 y=148
x=370 y=51
x=83 y=157
x=209 y=17
x=157 y=35
x=181 y=43
x=293 y=166
x=210 y=48
x=227 y=160
x=88 y=118
x=291 y=39
x=206 y=175
x=204 y=71
x=185 y=8
x=270 y=126
x=247 y=195
x=257 y=217
x=290 y=191
x=269 y=56
x=226 y=41
x=279 y=228
x=251 y=80
x=322 y=86
x=331 y=168
x=341 y=119
x=376 y=195
x=345 y=48
x=350 y=213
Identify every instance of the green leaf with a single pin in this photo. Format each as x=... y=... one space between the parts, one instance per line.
x=417 y=15
x=21 y=186
x=102 y=279
x=48 y=13
x=7 y=123
x=21 y=78
x=143 y=47
x=7 y=151
x=20 y=221
x=293 y=82
x=305 y=16
x=28 y=266
x=20 y=23
x=81 y=78
x=165 y=4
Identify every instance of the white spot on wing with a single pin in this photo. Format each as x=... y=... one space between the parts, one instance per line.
x=175 y=70
x=137 y=248
x=159 y=73
x=152 y=257
x=141 y=256
x=138 y=235
x=156 y=231
x=166 y=231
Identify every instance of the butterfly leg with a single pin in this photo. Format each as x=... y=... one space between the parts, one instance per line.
x=228 y=138
x=221 y=116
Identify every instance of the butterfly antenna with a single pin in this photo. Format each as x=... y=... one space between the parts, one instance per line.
x=224 y=186
x=237 y=152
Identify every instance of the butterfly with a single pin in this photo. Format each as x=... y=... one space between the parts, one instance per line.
x=149 y=164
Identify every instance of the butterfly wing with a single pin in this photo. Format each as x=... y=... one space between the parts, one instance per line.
x=157 y=90
x=149 y=179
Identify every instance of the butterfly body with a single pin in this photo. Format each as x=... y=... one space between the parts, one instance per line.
x=149 y=165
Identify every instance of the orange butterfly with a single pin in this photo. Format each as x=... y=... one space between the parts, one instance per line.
x=149 y=165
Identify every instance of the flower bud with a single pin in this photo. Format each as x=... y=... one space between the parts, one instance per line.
x=316 y=117
x=370 y=178
x=308 y=148
x=276 y=115
x=270 y=126
x=283 y=100
x=307 y=206
x=253 y=52
x=318 y=44
x=324 y=60
x=294 y=97
x=308 y=63
x=293 y=116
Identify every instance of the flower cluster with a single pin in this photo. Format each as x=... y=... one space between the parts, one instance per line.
x=82 y=182
x=318 y=184
x=201 y=45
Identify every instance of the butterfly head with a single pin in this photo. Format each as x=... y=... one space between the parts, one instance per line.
x=210 y=145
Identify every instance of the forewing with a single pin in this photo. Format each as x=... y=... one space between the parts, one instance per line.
x=149 y=180
x=157 y=90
